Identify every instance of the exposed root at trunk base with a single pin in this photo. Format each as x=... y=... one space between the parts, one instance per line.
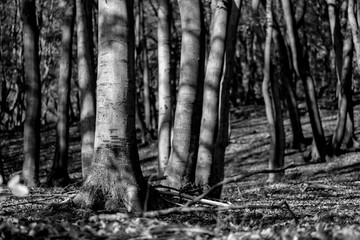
x=312 y=155
x=112 y=191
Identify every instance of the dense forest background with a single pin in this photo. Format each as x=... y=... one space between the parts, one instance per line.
x=285 y=107
x=249 y=56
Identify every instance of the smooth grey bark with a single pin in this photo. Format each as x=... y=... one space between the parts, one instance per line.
x=206 y=163
x=86 y=78
x=115 y=178
x=164 y=85
x=180 y=168
x=30 y=169
x=59 y=174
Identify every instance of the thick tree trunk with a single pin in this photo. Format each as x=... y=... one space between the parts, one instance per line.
x=302 y=70
x=209 y=121
x=272 y=106
x=115 y=176
x=59 y=174
x=30 y=170
x=165 y=105
x=86 y=78
x=180 y=168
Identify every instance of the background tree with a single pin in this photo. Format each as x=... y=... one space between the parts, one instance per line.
x=302 y=69
x=59 y=174
x=165 y=105
x=30 y=170
x=180 y=169
x=86 y=79
x=222 y=138
x=272 y=103
x=115 y=177
x=206 y=164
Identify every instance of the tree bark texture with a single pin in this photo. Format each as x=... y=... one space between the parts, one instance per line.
x=222 y=138
x=289 y=95
x=302 y=70
x=180 y=168
x=145 y=68
x=59 y=173
x=86 y=78
x=30 y=169
x=354 y=28
x=115 y=176
x=206 y=163
x=272 y=105
x=165 y=105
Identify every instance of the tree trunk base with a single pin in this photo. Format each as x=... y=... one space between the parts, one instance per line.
x=312 y=155
x=58 y=179
x=105 y=190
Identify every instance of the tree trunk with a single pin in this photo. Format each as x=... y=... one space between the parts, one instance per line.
x=224 y=103
x=302 y=70
x=165 y=105
x=209 y=121
x=146 y=72
x=59 y=174
x=298 y=140
x=272 y=106
x=180 y=168
x=86 y=78
x=115 y=176
x=30 y=170
x=355 y=29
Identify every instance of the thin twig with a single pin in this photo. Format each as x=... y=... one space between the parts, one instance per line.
x=238 y=178
x=204 y=201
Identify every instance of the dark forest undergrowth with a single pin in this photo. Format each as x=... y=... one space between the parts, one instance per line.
x=315 y=201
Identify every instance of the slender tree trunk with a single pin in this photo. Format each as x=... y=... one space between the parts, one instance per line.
x=337 y=45
x=30 y=170
x=354 y=28
x=272 y=106
x=224 y=103
x=289 y=95
x=182 y=158
x=302 y=70
x=344 y=94
x=146 y=73
x=209 y=121
x=59 y=174
x=165 y=105
x=115 y=177
x=86 y=78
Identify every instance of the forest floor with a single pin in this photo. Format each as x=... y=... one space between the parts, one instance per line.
x=315 y=201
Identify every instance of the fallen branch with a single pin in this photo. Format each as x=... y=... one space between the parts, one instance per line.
x=283 y=205
x=204 y=201
x=238 y=178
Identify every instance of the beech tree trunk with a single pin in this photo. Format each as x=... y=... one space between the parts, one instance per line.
x=272 y=105
x=224 y=103
x=302 y=70
x=115 y=178
x=209 y=121
x=30 y=169
x=298 y=141
x=165 y=105
x=86 y=78
x=59 y=174
x=145 y=69
x=181 y=166
x=354 y=28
